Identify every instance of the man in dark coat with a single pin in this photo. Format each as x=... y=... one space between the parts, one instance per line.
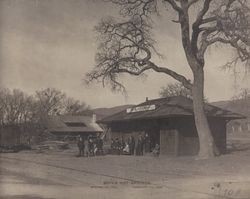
x=138 y=148
x=91 y=146
x=99 y=143
x=141 y=145
x=80 y=145
x=147 y=144
x=112 y=146
x=132 y=145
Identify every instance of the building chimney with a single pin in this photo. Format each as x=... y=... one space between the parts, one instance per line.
x=94 y=118
x=146 y=99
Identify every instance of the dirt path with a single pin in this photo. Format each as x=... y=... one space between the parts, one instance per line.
x=63 y=176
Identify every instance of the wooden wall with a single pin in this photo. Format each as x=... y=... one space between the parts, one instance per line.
x=183 y=142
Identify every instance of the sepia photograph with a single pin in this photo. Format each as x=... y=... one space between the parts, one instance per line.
x=128 y=99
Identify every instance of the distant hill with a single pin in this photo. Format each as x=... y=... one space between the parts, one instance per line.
x=104 y=112
x=238 y=106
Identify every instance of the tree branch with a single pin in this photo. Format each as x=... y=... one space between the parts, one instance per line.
x=232 y=27
x=196 y=25
x=191 y=2
x=185 y=36
x=174 y=5
x=154 y=67
x=203 y=11
x=208 y=20
x=173 y=74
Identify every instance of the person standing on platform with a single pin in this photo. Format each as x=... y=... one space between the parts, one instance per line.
x=91 y=147
x=122 y=143
x=86 y=148
x=141 y=145
x=80 y=145
x=112 y=146
x=132 y=145
x=138 y=146
x=147 y=144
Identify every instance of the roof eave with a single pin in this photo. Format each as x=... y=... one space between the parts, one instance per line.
x=166 y=117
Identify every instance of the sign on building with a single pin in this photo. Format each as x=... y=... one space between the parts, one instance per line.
x=141 y=108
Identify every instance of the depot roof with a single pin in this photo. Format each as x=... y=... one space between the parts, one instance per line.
x=166 y=108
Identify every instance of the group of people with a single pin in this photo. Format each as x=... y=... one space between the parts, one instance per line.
x=89 y=146
x=132 y=146
x=120 y=146
x=93 y=146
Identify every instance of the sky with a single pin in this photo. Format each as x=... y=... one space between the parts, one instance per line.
x=51 y=43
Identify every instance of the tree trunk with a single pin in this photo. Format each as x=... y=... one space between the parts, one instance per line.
x=207 y=145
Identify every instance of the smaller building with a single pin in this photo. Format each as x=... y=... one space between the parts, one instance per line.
x=71 y=126
x=169 y=122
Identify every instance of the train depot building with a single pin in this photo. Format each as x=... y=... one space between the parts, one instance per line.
x=170 y=123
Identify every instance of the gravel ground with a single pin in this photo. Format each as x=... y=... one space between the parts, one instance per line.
x=60 y=174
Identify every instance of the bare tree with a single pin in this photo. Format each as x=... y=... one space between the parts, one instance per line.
x=14 y=103
x=15 y=110
x=3 y=104
x=176 y=89
x=50 y=101
x=127 y=46
x=30 y=114
x=15 y=107
x=243 y=95
x=74 y=107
